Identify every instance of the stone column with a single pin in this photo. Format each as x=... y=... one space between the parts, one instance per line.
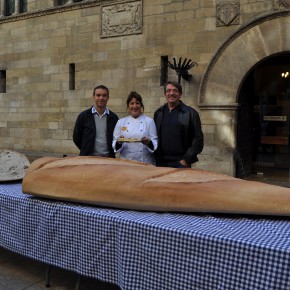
x=17 y=7
x=2 y=8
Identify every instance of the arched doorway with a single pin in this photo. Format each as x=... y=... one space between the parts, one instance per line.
x=228 y=76
x=263 y=124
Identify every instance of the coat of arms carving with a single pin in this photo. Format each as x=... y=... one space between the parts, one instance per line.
x=122 y=19
x=228 y=14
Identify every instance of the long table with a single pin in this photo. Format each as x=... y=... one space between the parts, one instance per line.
x=148 y=250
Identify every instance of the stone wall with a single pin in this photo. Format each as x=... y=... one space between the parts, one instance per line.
x=119 y=44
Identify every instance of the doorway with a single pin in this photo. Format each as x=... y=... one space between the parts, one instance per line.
x=263 y=125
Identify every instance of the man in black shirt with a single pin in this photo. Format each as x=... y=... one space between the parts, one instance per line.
x=179 y=130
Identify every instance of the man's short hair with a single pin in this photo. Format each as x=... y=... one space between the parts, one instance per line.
x=176 y=84
x=100 y=87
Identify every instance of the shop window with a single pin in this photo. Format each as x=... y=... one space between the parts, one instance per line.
x=2 y=81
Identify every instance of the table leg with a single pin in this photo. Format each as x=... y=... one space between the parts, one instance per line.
x=47 y=276
x=78 y=282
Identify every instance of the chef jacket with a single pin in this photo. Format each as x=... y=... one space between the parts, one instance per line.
x=130 y=127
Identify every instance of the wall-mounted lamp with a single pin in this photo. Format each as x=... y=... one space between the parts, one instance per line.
x=285 y=74
x=182 y=68
x=285 y=81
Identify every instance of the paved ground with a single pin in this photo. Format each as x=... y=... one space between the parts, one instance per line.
x=21 y=273
x=285 y=182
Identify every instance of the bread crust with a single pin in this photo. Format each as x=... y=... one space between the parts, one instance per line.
x=12 y=165
x=137 y=186
x=129 y=140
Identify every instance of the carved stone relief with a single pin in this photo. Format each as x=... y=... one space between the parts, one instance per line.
x=122 y=19
x=228 y=13
x=32 y=10
x=281 y=4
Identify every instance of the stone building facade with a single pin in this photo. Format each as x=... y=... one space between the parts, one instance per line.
x=54 y=53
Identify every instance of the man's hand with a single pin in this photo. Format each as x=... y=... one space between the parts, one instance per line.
x=183 y=163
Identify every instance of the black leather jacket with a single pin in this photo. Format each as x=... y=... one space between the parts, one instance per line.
x=84 y=134
x=190 y=119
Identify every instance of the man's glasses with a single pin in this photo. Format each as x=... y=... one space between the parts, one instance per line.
x=172 y=91
x=101 y=95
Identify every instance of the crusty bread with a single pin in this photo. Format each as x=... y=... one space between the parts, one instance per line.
x=132 y=185
x=12 y=165
x=129 y=140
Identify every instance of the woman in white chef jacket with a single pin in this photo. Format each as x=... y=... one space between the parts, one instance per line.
x=136 y=126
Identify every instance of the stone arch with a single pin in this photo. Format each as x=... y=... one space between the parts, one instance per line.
x=265 y=36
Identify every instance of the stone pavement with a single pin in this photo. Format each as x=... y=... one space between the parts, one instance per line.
x=284 y=182
x=21 y=273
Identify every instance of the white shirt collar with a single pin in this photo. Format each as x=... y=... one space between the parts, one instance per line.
x=94 y=111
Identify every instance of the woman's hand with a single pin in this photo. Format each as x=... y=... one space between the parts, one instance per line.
x=145 y=140
x=121 y=136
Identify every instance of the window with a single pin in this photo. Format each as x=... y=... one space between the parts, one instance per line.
x=2 y=81
x=23 y=6
x=164 y=70
x=12 y=6
x=63 y=2
x=72 y=71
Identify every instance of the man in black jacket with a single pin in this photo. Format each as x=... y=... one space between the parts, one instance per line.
x=179 y=130
x=93 y=131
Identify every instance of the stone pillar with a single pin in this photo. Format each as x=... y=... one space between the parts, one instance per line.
x=2 y=8
x=17 y=7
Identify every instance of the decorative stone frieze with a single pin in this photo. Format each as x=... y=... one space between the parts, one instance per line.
x=121 y=19
x=33 y=12
x=228 y=13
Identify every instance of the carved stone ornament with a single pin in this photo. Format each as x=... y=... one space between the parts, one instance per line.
x=281 y=4
x=228 y=14
x=122 y=19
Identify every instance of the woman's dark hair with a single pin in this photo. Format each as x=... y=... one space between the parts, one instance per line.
x=134 y=95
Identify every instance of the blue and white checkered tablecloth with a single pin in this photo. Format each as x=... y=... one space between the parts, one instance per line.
x=148 y=250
